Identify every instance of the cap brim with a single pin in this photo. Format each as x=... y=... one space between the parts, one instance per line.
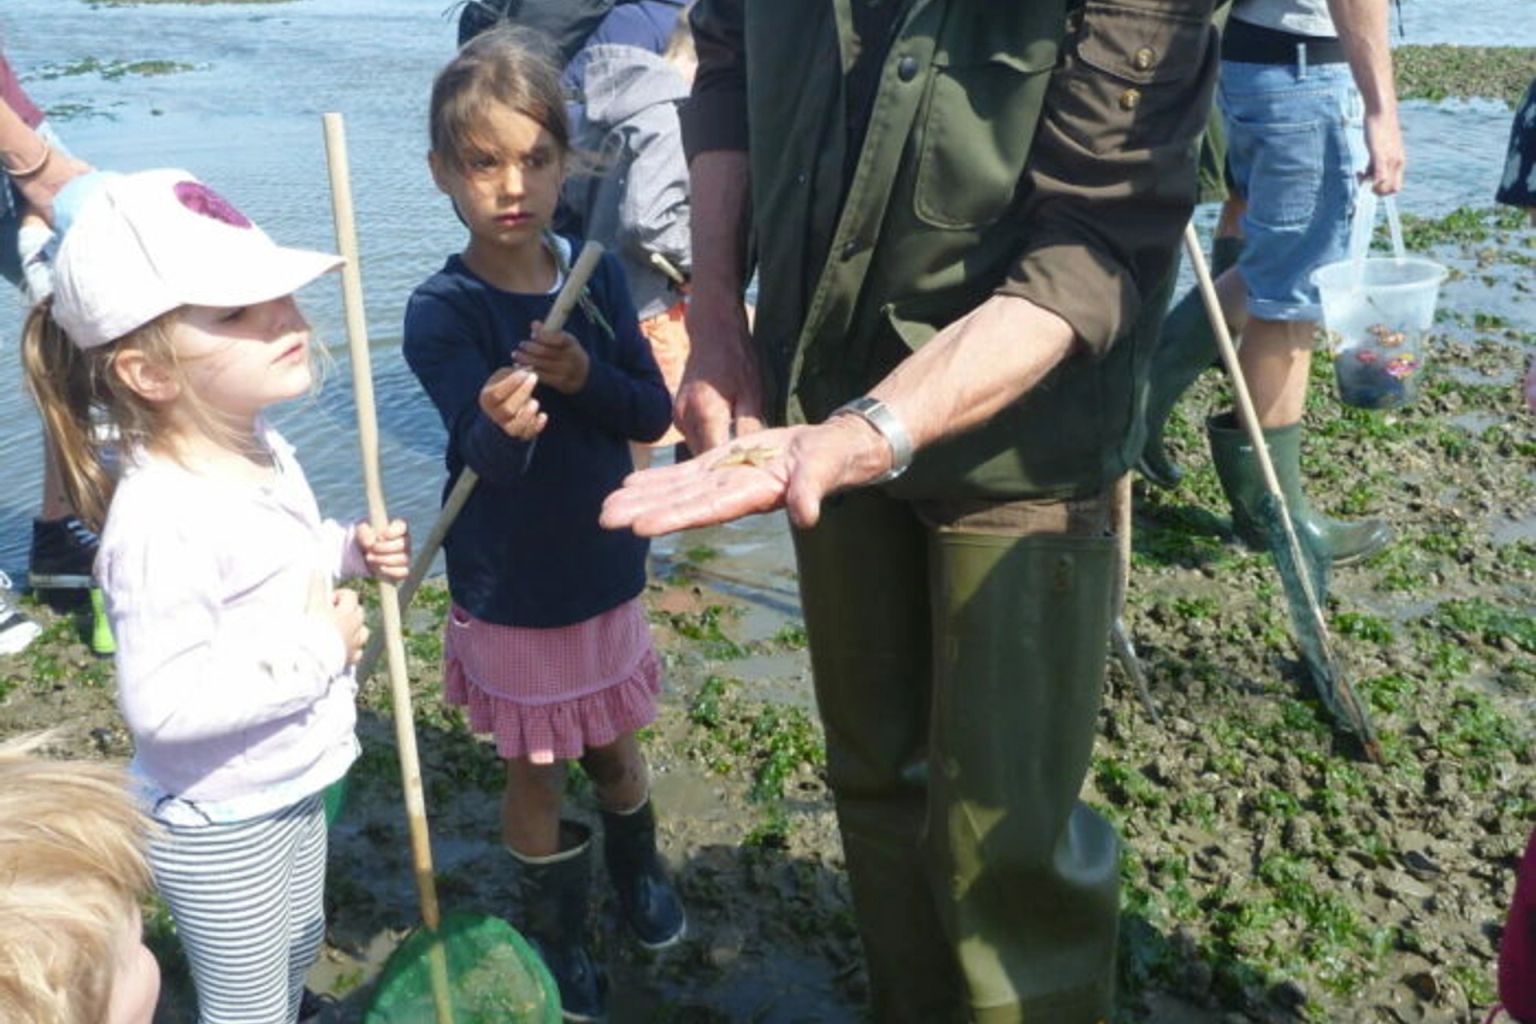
x=278 y=272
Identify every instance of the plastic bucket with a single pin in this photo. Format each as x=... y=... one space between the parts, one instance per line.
x=1378 y=316
x=1378 y=313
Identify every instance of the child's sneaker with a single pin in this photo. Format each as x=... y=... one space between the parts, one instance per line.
x=62 y=559
x=16 y=630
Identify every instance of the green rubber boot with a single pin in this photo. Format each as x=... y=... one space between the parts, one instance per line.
x=1242 y=480
x=1031 y=874
x=102 y=643
x=1185 y=348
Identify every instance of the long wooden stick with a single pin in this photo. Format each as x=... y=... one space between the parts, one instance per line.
x=426 y=551
x=378 y=516
x=1314 y=621
x=1119 y=633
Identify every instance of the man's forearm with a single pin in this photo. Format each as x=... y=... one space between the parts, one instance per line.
x=720 y=186
x=1362 y=28
x=975 y=368
x=20 y=147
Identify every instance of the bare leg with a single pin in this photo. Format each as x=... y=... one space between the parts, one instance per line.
x=1232 y=293
x=1229 y=224
x=618 y=774
x=530 y=807
x=1276 y=357
x=54 y=504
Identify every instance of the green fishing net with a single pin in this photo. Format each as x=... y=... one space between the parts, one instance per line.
x=493 y=977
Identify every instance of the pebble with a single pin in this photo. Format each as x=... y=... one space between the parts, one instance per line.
x=1402 y=885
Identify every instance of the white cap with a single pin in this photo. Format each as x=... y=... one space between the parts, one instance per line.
x=144 y=244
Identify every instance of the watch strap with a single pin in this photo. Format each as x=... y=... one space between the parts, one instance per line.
x=879 y=415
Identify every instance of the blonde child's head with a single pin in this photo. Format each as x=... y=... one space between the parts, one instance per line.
x=680 y=51
x=157 y=282
x=72 y=871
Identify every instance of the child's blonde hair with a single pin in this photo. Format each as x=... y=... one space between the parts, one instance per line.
x=680 y=48
x=509 y=65
x=84 y=402
x=72 y=870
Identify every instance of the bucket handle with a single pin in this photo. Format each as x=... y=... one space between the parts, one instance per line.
x=1364 y=225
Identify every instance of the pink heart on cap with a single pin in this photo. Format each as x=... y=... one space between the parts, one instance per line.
x=199 y=198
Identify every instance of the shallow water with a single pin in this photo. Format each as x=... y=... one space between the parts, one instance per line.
x=247 y=120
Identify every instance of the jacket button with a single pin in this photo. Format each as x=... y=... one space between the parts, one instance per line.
x=1144 y=58
x=1129 y=99
x=906 y=68
x=850 y=249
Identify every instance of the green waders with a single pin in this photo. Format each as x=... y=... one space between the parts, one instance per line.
x=959 y=661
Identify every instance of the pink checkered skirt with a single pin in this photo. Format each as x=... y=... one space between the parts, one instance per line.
x=550 y=694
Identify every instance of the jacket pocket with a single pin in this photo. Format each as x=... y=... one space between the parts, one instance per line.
x=1132 y=79
x=978 y=118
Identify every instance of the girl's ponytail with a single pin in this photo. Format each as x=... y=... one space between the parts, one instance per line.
x=65 y=385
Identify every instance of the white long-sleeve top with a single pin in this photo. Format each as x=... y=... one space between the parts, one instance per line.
x=239 y=701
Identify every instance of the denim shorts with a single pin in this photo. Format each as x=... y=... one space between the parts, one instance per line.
x=1296 y=143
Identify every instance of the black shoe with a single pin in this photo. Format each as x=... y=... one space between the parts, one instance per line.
x=62 y=560
x=554 y=892
x=317 y=1009
x=647 y=899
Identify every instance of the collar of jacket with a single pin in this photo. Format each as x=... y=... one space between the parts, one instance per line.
x=868 y=191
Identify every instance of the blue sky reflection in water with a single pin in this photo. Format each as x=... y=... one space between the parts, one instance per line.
x=246 y=119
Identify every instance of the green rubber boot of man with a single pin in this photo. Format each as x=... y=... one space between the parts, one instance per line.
x=1030 y=874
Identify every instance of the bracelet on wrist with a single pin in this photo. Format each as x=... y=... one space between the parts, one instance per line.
x=38 y=165
x=879 y=416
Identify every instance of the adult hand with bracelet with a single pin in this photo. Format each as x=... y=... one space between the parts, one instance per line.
x=36 y=169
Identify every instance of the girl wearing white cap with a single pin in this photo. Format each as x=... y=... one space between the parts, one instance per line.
x=173 y=317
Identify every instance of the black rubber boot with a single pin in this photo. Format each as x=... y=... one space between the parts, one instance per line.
x=554 y=892
x=647 y=899
x=1185 y=348
x=1243 y=481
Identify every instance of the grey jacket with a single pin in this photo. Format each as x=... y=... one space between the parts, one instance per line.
x=635 y=201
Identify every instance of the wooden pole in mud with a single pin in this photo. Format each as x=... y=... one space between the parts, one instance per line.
x=1290 y=560
x=1119 y=634
x=389 y=600
x=570 y=292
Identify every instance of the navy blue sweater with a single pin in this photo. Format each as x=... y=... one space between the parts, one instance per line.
x=527 y=549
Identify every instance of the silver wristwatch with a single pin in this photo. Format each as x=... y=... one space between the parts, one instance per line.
x=879 y=415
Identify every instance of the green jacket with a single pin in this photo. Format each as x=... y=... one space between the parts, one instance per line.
x=1036 y=147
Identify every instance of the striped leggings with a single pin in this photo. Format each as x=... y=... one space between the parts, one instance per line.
x=248 y=899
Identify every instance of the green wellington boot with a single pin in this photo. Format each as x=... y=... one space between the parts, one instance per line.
x=1243 y=481
x=1029 y=874
x=1185 y=348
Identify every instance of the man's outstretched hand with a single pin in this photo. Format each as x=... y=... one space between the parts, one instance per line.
x=789 y=467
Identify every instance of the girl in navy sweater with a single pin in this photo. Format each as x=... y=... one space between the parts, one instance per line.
x=547 y=643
